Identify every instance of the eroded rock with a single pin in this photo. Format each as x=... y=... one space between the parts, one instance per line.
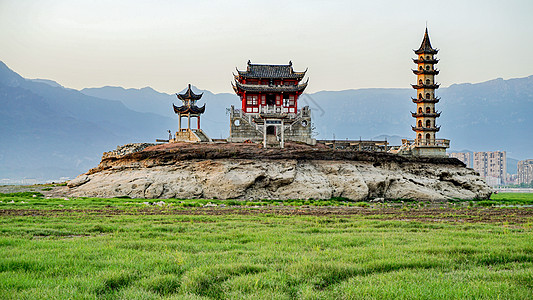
x=181 y=172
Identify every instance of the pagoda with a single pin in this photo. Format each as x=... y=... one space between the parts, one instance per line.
x=425 y=142
x=269 y=110
x=189 y=110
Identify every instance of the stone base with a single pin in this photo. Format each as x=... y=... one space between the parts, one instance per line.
x=282 y=179
x=190 y=136
x=249 y=127
x=429 y=151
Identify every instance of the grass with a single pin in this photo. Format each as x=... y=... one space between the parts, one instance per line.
x=124 y=202
x=86 y=255
x=513 y=198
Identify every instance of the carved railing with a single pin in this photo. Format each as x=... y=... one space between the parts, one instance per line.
x=426 y=142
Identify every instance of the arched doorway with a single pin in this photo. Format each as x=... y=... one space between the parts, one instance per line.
x=271 y=130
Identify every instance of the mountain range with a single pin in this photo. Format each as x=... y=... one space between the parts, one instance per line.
x=48 y=131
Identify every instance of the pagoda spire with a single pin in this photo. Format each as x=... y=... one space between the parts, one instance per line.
x=425 y=47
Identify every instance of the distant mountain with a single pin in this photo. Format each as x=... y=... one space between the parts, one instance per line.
x=49 y=82
x=49 y=131
x=141 y=100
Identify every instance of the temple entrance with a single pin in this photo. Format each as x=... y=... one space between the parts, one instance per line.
x=271 y=130
x=271 y=99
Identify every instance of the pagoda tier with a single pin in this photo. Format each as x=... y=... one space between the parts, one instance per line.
x=421 y=60
x=425 y=115
x=425 y=71
x=435 y=129
x=435 y=100
x=184 y=109
x=425 y=86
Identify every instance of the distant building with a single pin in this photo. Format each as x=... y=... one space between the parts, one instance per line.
x=512 y=179
x=525 y=171
x=465 y=157
x=492 y=166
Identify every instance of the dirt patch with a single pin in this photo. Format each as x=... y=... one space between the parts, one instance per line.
x=58 y=191
x=472 y=215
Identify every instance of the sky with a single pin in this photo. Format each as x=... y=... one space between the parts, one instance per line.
x=343 y=44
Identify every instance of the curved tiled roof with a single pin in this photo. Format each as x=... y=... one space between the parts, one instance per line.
x=271 y=71
x=185 y=109
x=189 y=95
x=425 y=47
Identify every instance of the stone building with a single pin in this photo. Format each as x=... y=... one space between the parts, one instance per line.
x=525 y=171
x=425 y=142
x=492 y=166
x=465 y=157
x=269 y=110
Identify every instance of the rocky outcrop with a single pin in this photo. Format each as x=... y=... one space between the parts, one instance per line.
x=241 y=171
x=126 y=149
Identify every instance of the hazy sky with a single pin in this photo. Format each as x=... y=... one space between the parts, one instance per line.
x=345 y=44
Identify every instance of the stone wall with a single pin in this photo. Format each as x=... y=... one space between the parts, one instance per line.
x=249 y=127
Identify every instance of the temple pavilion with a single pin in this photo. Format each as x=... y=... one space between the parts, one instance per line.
x=269 y=110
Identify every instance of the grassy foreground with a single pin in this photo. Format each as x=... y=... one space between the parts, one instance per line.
x=114 y=249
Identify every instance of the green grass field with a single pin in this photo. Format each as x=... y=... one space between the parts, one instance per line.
x=117 y=249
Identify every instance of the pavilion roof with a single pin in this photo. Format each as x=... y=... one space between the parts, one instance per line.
x=271 y=71
x=186 y=109
x=189 y=95
x=425 y=47
x=268 y=88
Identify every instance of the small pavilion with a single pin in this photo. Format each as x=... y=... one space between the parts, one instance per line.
x=189 y=110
